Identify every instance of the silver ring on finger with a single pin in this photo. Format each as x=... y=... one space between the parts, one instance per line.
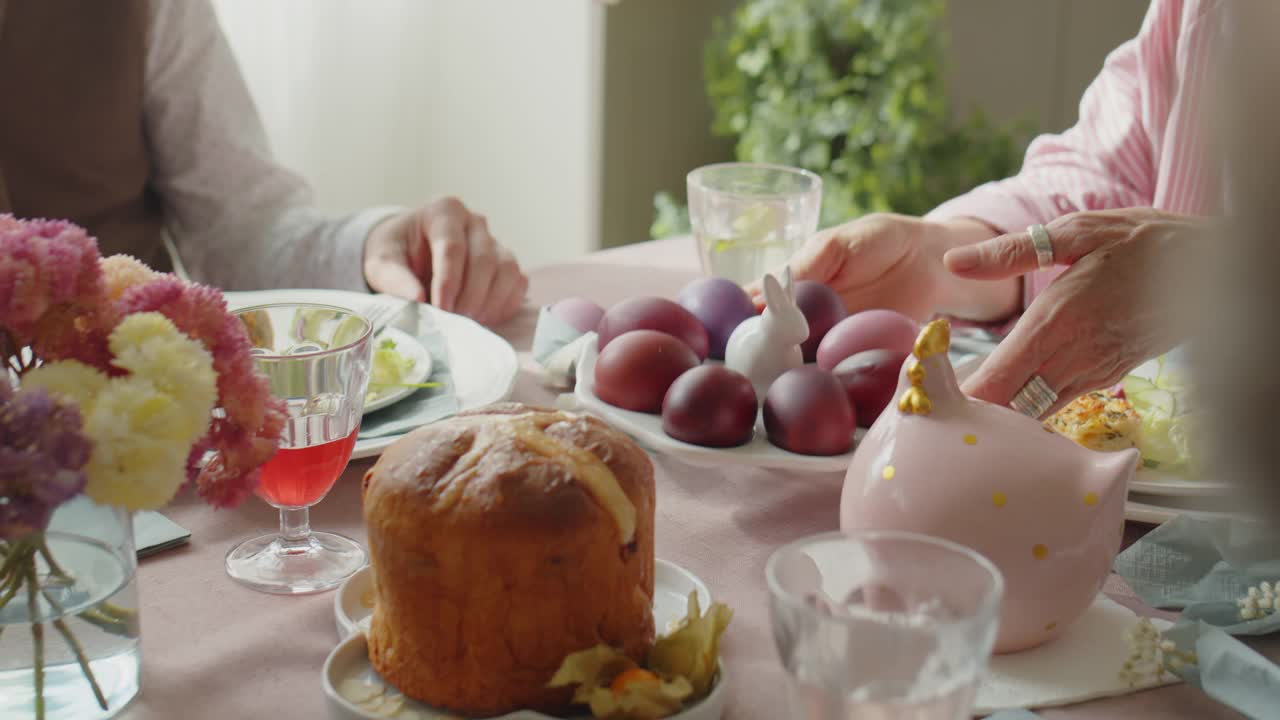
x=1043 y=246
x=1035 y=398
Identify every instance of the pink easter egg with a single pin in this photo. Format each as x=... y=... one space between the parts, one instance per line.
x=578 y=312
x=867 y=330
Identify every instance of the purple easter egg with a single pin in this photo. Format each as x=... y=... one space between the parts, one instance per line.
x=822 y=308
x=720 y=305
x=578 y=312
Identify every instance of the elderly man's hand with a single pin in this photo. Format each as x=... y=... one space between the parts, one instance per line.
x=1104 y=316
x=443 y=253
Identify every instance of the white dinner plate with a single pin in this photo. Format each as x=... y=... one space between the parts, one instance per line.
x=483 y=365
x=1150 y=514
x=350 y=659
x=647 y=430
x=1151 y=481
x=408 y=346
x=1157 y=482
x=1157 y=509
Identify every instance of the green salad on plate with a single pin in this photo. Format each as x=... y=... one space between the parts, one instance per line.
x=1166 y=436
x=389 y=369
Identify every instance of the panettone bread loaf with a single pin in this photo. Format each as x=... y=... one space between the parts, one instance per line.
x=502 y=540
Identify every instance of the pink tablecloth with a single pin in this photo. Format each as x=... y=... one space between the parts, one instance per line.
x=213 y=649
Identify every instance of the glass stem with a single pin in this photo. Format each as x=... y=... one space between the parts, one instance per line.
x=295 y=525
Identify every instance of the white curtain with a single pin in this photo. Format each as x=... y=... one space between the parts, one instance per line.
x=396 y=101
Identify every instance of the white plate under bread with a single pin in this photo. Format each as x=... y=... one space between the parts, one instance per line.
x=347 y=672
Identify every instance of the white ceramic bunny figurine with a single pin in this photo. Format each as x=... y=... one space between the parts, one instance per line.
x=764 y=347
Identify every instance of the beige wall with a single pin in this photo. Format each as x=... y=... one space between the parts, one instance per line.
x=656 y=116
x=1016 y=59
x=398 y=101
x=1032 y=59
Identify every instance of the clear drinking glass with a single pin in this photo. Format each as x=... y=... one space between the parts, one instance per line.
x=749 y=218
x=882 y=625
x=317 y=359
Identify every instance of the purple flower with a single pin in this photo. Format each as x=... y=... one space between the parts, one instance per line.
x=42 y=458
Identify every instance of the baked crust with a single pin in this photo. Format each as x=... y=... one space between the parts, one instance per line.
x=493 y=560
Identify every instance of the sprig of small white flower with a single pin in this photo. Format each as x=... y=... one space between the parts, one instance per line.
x=1151 y=655
x=1259 y=601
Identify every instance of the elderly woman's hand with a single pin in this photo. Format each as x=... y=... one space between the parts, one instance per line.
x=895 y=262
x=443 y=253
x=1105 y=315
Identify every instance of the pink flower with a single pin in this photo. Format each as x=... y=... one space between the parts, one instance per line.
x=247 y=424
x=60 y=298
x=51 y=291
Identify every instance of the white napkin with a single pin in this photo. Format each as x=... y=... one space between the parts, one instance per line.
x=1083 y=664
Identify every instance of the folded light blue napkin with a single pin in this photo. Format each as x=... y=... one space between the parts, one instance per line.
x=551 y=334
x=1227 y=670
x=426 y=404
x=1191 y=560
x=557 y=345
x=1205 y=566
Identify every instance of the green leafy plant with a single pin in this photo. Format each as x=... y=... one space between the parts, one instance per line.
x=852 y=90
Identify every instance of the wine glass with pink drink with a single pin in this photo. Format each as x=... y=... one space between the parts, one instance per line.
x=317 y=359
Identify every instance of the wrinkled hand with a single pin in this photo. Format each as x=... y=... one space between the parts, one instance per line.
x=895 y=262
x=1100 y=319
x=448 y=247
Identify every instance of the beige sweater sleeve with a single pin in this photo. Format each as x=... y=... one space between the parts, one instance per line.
x=237 y=219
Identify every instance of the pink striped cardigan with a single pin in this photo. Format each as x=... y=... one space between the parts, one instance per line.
x=1136 y=144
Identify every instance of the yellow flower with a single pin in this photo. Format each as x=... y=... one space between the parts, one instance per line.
x=142 y=425
x=141 y=438
x=150 y=346
x=121 y=272
x=68 y=380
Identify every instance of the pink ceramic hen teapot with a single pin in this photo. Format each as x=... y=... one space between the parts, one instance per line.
x=1048 y=512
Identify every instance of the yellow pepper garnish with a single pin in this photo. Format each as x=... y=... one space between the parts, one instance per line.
x=681 y=669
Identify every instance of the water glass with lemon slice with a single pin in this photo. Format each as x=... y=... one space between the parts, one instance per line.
x=749 y=218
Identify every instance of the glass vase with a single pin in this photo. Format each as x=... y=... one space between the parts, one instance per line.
x=69 y=617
